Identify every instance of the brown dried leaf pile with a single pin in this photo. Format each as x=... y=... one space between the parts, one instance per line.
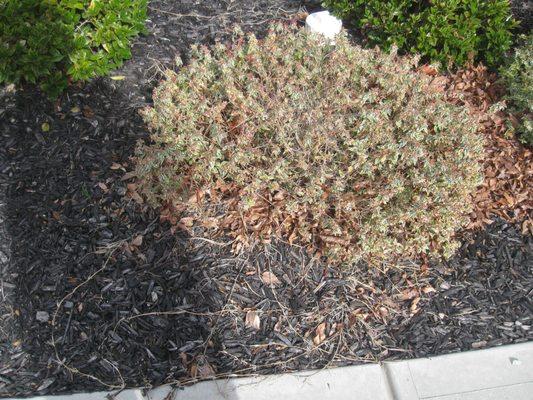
x=507 y=191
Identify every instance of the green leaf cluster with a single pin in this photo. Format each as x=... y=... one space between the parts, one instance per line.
x=452 y=32
x=48 y=42
x=518 y=77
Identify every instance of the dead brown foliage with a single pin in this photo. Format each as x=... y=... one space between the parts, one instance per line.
x=507 y=191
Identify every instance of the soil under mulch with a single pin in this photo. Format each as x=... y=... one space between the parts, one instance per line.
x=98 y=294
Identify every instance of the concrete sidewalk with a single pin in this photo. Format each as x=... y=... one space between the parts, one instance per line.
x=502 y=373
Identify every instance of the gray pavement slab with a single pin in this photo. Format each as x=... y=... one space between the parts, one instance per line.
x=367 y=382
x=468 y=372
x=513 y=392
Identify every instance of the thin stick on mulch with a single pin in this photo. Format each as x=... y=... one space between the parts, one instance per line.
x=60 y=360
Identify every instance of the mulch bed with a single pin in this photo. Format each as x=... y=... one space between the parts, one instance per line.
x=97 y=293
x=523 y=12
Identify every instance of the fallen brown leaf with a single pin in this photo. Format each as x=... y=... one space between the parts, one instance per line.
x=252 y=320
x=186 y=222
x=201 y=368
x=136 y=196
x=116 y=166
x=270 y=279
x=128 y=175
x=88 y=112
x=320 y=334
x=408 y=294
x=137 y=241
x=414 y=305
x=428 y=289
x=211 y=223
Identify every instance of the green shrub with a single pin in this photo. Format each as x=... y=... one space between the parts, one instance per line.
x=446 y=31
x=49 y=41
x=518 y=76
x=345 y=150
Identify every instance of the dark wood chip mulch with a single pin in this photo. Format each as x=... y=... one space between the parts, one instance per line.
x=523 y=13
x=97 y=294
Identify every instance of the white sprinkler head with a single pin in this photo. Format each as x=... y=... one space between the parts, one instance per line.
x=324 y=23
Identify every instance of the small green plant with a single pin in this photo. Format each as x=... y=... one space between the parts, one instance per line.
x=348 y=151
x=48 y=42
x=445 y=31
x=518 y=77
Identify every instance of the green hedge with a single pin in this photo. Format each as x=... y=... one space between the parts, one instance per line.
x=446 y=31
x=48 y=42
x=518 y=77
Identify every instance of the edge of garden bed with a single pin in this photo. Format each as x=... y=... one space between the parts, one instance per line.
x=504 y=372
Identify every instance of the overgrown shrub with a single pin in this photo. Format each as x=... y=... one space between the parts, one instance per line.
x=49 y=41
x=446 y=31
x=347 y=151
x=518 y=76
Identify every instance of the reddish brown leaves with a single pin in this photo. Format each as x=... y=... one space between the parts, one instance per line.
x=270 y=279
x=429 y=70
x=507 y=190
x=320 y=334
x=137 y=241
x=508 y=187
x=133 y=194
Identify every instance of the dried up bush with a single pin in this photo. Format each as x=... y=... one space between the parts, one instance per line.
x=347 y=151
